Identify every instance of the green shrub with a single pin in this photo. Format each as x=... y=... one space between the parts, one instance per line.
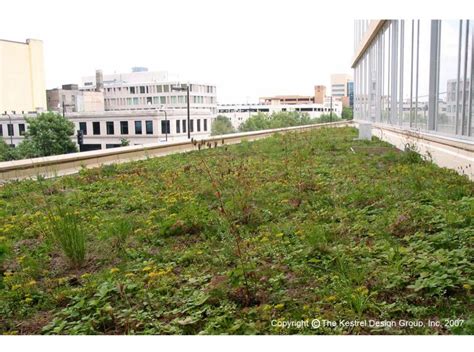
x=411 y=154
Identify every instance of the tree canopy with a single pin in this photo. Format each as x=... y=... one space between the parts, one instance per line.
x=347 y=113
x=6 y=152
x=262 y=121
x=48 y=134
x=222 y=125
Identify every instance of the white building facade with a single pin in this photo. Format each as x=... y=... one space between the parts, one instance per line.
x=142 y=90
x=107 y=129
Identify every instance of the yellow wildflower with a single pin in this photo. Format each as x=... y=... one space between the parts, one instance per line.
x=31 y=283
x=466 y=286
x=129 y=274
x=331 y=298
x=147 y=268
x=281 y=234
x=16 y=287
x=280 y=306
x=362 y=289
x=28 y=300
x=153 y=274
x=114 y=270
x=85 y=276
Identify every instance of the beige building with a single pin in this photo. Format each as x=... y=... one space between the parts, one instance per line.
x=340 y=85
x=70 y=99
x=318 y=98
x=22 y=83
x=319 y=94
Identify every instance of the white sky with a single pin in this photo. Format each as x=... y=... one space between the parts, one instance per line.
x=246 y=48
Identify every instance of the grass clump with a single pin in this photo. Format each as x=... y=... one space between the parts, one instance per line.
x=68 y=233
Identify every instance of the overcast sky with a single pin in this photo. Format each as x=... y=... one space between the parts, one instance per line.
x=247 y=49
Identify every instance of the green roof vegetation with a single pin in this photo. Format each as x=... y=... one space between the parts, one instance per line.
x=242 y=239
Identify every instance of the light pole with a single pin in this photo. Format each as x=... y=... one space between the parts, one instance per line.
x=166 y=119
x=166 y=123
x=330 y=111
x=64 y=105
x=10 y=124
x=187 y=95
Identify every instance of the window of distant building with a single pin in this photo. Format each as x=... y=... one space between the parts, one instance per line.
x=96 y=128
x=138 y=127
x=165 y=126
x=184 y=126
x=166 y=88
x=149 y=127
x=191 y=126
x=159 y=89
x=1 y=130
x=110 y=127
x=149 y=100
x=10 y=129
x=205 y=124
x=162 y=100
x=178 y=129
x=123 y=127
x=198 y=125
x=83 y=127
x=142 y=89
x=21 y=128
x=132 y=90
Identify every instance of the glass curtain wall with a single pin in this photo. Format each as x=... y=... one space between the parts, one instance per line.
x=418 y=74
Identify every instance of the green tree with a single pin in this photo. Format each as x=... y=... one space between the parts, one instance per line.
x=327 y=118
x=124 y=142
x=346 y=113
x=221 y=125
x=6 y=152
x=48 y=134
x=256 y=122
x=281 y=119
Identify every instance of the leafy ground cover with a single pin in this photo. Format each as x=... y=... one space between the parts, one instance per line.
x=240 y=240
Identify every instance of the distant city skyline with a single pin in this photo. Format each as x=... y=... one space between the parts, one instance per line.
x=246 y=50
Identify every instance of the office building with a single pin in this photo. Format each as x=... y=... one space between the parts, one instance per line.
x=103 y=130
x=70 y=99
x=416 y=75
x=143 y=90
x=318 y=98
x=22 y=83
x=340 y=87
